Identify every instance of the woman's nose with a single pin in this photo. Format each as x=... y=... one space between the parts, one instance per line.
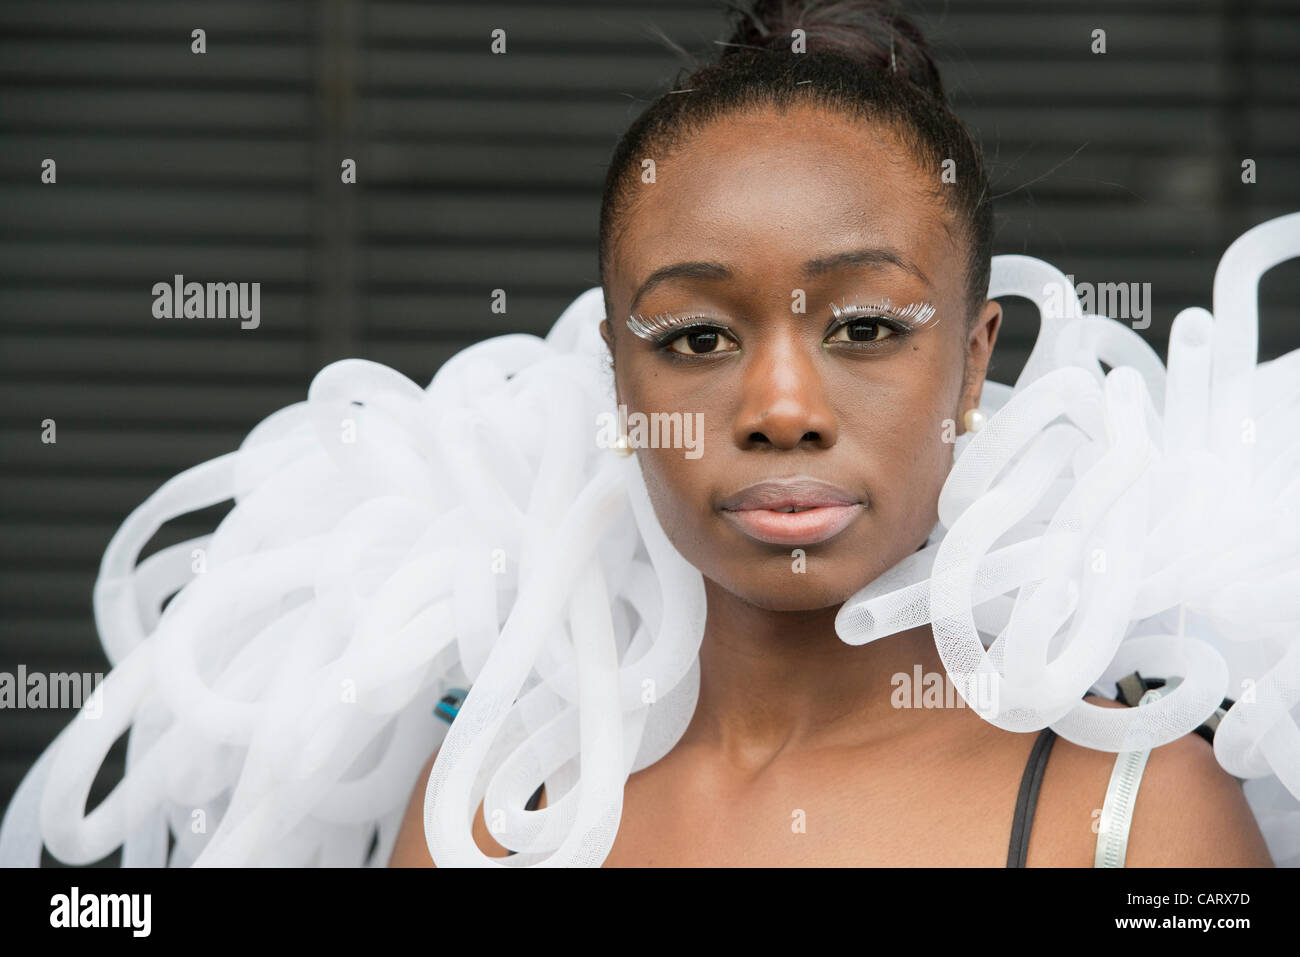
x=784 y=403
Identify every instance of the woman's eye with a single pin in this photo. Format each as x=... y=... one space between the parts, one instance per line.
x=862 y=330
x=698 y=342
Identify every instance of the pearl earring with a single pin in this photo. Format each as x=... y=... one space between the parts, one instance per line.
x=621 y=446
x=974 y=420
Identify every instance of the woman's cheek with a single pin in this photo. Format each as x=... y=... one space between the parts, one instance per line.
x=675 y=493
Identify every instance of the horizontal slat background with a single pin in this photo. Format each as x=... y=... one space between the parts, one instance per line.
x=478 y=172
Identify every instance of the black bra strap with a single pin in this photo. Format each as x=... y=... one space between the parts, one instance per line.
x=535 y=799
x=1028 y=798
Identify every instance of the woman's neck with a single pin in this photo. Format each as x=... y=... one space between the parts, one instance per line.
x=774 y=682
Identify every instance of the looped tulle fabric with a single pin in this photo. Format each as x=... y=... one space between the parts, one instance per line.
x=277 y=677
x=1146 y=518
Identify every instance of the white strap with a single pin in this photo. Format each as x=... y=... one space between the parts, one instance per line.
x=1117 y=809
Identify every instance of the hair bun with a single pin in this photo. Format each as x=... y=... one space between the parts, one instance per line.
x=873 y=32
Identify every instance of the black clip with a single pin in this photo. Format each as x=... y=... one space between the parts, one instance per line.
x=1131 y=688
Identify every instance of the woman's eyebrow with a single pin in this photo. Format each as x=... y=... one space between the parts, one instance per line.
x=698 y=269
x=867 y=256
x=711 y=270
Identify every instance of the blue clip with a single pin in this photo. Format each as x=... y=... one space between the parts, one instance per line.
x=449 y=706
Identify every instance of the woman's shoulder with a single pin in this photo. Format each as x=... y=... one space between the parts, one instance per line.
x=1189 y=811
x=411 y=849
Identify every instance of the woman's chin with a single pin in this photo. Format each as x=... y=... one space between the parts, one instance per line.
x=787 y=591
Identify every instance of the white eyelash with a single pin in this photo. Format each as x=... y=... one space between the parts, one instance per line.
x=916 y=314
x=652 y=327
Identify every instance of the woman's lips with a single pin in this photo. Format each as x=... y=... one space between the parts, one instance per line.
x=807 y=527
x=761 y=511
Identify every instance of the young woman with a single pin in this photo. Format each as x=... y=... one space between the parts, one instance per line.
x=798 y=268
x=747 y=642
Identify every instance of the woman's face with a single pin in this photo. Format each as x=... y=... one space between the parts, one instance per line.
x=782 y=215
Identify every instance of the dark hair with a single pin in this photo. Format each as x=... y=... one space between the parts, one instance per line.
x=863 y=58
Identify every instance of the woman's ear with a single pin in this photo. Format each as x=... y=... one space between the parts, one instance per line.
x=979 y=349
x=607 y=333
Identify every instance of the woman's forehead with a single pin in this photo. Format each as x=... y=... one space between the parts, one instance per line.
x=743 y=243
x=756 y=190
